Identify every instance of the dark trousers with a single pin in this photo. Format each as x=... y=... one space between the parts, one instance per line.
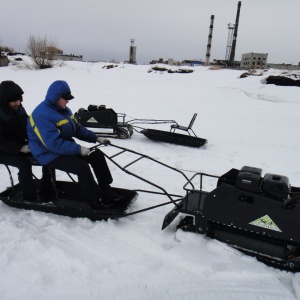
x=25 y=172
x=80 y=166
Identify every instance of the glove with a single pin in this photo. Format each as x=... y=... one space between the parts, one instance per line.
x=84 y=151
x=103 y=141
x=25 y=149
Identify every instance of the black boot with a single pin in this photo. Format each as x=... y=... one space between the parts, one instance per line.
x=109 y=197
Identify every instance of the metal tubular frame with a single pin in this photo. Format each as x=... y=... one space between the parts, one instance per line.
x=124 y=169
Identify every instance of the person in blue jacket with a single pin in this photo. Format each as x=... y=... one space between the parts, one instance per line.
x=51 y=131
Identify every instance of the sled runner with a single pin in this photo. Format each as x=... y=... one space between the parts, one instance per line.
x=256 y=215
x=173 y=138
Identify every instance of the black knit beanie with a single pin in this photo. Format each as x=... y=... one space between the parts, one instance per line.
x=10 y=92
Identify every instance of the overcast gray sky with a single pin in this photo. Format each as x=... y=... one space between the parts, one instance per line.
x=178 y=29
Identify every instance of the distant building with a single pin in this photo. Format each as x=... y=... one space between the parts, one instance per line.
x=223 y=63
x=54 y=53
x=283 y=66
x=192 y=63
x=171 y=62
x=67 y=57
x=161 y=61
x=254 y=60
x=54 y=50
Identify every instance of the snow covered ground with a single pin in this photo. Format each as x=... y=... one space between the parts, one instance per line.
x=245 y=121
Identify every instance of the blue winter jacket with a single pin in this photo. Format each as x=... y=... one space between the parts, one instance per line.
x=51 y=128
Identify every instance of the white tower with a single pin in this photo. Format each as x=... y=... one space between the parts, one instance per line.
x=132 y=53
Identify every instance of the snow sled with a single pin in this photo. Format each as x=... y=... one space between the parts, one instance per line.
x=104 y=121
x=257 y=215
x=65 y=199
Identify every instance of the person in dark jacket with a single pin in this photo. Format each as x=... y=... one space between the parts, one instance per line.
x=14 y=149
x=51 y=132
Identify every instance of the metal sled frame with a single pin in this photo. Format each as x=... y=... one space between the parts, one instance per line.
x=133 y=123
x=192 y=204
x=187 y=129
x=173 y=199
x=35 y=163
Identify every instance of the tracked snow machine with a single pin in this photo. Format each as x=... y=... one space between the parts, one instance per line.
x=257 y=215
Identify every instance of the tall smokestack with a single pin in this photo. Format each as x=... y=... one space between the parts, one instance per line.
x=236 y=25
x=209 y=39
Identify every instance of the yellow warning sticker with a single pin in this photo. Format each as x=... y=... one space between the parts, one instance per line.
x=265 y=222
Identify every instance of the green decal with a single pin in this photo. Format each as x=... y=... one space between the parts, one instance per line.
x=265 y=222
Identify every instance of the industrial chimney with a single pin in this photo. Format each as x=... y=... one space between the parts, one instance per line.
x=236 y=25
x=209 y=39
x=132 y=53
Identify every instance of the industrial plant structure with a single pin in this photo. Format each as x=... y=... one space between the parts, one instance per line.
x=254 y=60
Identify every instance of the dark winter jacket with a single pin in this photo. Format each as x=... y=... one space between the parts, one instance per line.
x=13 y=134
x=51 y=128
